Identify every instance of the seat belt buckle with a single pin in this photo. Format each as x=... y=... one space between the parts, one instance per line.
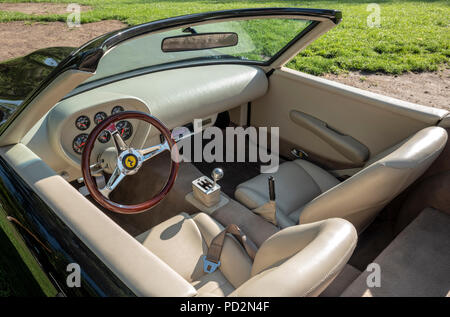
x=209 y=266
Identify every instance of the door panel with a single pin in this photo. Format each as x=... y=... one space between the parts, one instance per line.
x=350 y=148
x=373 y=121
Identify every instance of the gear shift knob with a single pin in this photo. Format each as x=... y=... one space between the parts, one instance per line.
x=217 y=174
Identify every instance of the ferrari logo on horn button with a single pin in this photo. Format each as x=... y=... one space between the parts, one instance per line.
x=129 y=161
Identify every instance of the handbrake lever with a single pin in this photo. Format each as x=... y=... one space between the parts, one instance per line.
x=269 y=210
x=271 y=188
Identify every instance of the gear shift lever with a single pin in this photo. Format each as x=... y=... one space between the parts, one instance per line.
x=217 y=175
x=206 y=190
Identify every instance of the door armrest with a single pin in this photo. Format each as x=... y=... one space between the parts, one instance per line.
x=349 y=147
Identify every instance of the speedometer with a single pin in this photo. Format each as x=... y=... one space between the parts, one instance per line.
x=79 y=142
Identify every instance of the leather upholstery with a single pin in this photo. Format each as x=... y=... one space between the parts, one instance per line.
x=309 y=194
x=374 y=120
x=301 y=260
x=296 y=183
x=181 y=241
x=297 y=261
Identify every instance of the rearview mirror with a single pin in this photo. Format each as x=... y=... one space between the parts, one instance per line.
x=193 y=42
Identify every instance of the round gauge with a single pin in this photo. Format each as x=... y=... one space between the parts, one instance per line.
x=180 y=132
x=104 y=137
x=117 y=109
x=79 y=142
x=82 y=123
x=99 y=117
x=125 y=129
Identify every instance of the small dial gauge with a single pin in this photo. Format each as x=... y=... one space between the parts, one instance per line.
x=104 y=137
x=99 y=117
x=79 y=142
x=117 y=109
x=82 y=123
x=125 y=129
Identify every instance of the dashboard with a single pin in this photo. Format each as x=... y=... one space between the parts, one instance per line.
x=69 y=125
x=176 y=97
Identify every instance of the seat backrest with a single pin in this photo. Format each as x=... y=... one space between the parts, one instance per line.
x=359 y=198
x=300 y=260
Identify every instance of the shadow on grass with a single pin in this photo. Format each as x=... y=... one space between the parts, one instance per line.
x=15 y=277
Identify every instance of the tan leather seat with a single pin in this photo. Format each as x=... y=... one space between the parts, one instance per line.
x=297 y=261
x=306 y=193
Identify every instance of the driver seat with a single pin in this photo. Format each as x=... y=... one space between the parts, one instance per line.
x=297 y=261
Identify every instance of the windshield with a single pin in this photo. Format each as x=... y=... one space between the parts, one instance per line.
x=258 y=40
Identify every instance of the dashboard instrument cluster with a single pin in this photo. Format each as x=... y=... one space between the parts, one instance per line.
x=84 y=122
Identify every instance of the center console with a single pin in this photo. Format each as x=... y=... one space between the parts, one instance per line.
x=206 y=193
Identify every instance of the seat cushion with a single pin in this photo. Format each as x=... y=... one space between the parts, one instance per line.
x=183 y=240
x=214 y=284
x=297 y=261
x=300 y=260
x=296 y=184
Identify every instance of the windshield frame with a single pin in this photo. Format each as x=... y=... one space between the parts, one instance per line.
x=194 y=61
x=107 y=43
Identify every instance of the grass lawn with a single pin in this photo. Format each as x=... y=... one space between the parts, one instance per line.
x=413 y=36
x=20 y=274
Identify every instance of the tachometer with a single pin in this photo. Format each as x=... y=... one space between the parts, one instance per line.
x=82 y=123
x=99 y=117
x=125 y=129
x=79 y=142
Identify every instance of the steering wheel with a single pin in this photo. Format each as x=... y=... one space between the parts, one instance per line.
x=129 y=161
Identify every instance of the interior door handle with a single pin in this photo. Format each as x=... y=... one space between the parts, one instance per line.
x=346 y=145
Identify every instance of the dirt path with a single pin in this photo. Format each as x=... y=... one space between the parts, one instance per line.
x=429 y=89
x=21 y=38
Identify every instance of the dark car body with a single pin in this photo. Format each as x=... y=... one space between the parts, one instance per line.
x=20 y=76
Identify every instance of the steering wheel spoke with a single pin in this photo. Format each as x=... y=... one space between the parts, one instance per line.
x=116 y=177
x=152 y=151
x=119 y=143
x=96 y=169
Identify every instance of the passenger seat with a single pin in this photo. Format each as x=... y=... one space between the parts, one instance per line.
x=306 y=193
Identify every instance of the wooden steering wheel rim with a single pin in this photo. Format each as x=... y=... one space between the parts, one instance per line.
x=90 y=181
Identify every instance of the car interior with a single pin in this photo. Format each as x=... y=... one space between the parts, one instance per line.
x=362 y=178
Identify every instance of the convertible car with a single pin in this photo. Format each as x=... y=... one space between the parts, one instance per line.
x=93 y=168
